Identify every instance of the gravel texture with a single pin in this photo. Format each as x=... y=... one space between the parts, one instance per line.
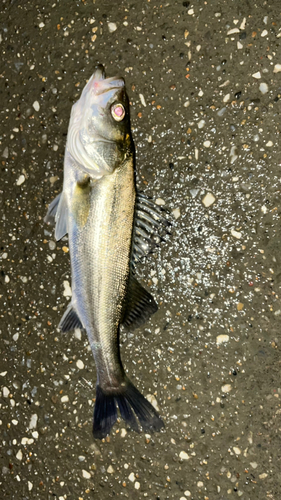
x=204 y=80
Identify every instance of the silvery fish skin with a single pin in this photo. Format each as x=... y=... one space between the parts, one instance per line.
x=98 y=210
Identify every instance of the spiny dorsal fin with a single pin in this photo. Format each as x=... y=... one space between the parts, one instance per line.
x=150 y=226
x=70 y=320
x=140 y=305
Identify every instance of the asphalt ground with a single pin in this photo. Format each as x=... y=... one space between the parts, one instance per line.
x=204 y=81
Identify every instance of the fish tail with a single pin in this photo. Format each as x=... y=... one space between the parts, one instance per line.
x=131 y=403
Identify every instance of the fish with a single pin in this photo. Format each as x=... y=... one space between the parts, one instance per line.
x=110 y=228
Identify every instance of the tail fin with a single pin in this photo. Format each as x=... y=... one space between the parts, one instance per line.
x=129 y=398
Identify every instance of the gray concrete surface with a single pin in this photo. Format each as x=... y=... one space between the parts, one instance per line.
x=204 y=82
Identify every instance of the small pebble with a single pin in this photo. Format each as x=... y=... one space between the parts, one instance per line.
x=226 y=98
x=33 y=421
x=19 y=455
x=187 y=493
x=208 y=200
x=160 y=201
x=20 y=180
x=269 y=144
x=194 y=192
x=221 y=111
x=257 y=75
x=240 y=306
x=112 y=27
x=183 y=455
x=277 y=68
x=5 y=153
x=36 y=105
x=29 y=485
x=176 y=213
x=233 y=31
x=201 y=124
x=52 y=245
x=80 y=364
x=5 y=392
x=233 y=155
x=64 y=399
x=142 y=99
x=207 y=144
x=132 y=477
x=86 y=474
x=77 y=333
x=236 y=450
x=236 y=234
x=110 y=469
x=263 y=88
x=226 y=388
x=200 y=484
x=152 y=399
x=137 y=485
x=243 y=24
x=221 y=339
x=253 y=465
x=67 y=289
x=263 y=476
x=264 y=33
x=123 y=432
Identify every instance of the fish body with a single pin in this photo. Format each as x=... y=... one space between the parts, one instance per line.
x=102 y=215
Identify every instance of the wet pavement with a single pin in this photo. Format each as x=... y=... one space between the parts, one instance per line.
x=204 y=81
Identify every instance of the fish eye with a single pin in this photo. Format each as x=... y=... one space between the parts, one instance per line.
x=118 y=111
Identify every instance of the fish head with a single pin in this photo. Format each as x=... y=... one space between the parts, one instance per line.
x=99 y=135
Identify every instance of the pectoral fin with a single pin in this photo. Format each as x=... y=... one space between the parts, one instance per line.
x=58 y=214
x=70 y=320
x=149 y=227
x=52 y=210
x=61 y=218
x=140 y=305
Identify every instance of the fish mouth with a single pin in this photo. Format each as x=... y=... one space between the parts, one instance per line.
x=99 y=84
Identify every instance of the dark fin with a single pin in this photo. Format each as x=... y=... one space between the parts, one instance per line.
x=52 y=210
x=140 y=305
x=61 y=218
x=146 y=413
x=105 y=414
x=150 y=226
x=129 y=398
x=70 y=320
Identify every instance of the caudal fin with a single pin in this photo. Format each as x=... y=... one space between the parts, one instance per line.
x=131 y=403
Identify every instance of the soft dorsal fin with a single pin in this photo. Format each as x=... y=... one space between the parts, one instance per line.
x=58 y=214
x=70 y=320
x=140 y=305
x=149 y=227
